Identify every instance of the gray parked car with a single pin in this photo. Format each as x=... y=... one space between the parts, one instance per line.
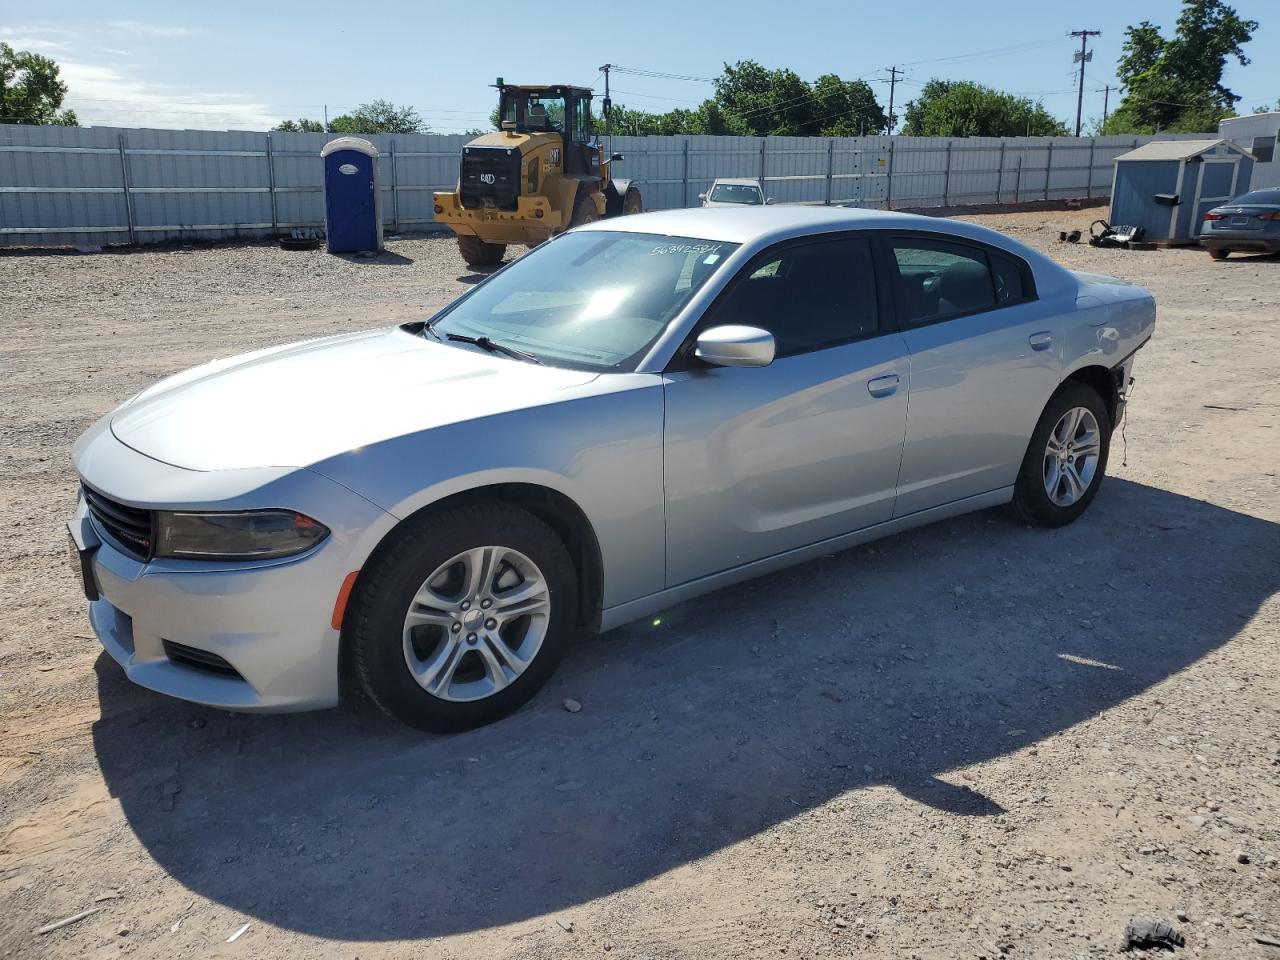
x=632 y=414
x=1250 y=222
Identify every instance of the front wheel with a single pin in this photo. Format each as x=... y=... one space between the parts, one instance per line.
x=1219 y=254
x=1066 y=458
x=631 y=202
x=463 y=616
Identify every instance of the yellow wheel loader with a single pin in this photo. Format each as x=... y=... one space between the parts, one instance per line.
x=541 y=174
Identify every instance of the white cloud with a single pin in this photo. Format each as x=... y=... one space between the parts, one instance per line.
x=107 y=85
x=106 y=96
x=41 y=40
x=138 y=28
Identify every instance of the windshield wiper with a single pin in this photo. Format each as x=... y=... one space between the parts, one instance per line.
x=493 y=346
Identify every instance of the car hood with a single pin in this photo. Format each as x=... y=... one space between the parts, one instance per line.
x=299 y=404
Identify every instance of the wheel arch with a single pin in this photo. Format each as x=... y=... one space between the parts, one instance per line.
x=554 y=508
x=1104 y=381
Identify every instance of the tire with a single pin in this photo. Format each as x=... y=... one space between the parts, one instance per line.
x=584 y=210
x=631 y=202
x=1032 y=501
x=477 y=253
x=1219 y=254
x=392 y=627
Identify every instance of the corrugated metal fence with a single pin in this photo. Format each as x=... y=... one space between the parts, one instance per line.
x=98 y=185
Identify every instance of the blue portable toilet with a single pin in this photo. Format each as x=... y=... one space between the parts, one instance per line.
x=352 y=200
x=1167 y=186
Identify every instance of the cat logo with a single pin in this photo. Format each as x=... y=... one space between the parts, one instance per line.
x=555 y=154
x=488 y=178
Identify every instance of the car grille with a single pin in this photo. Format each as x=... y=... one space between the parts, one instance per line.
x=133 y=529
x=490 y=177
x=183 y=655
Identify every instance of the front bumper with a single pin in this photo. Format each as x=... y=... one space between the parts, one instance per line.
x=267 y=623
x=521 y=225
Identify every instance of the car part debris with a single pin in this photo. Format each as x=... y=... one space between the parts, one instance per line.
x=301 y=238
x=1069 y=236
x=1145 y=936
x=66 y=921
x=1103 y=234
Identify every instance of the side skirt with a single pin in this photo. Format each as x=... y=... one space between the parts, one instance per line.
x=623 y=613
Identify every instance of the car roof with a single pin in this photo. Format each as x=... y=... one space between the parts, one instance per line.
x=764 y=224
x=757 y=227
x=739 y=181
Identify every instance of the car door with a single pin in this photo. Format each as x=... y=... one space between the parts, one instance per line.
x=758 y=461
x=985 y=358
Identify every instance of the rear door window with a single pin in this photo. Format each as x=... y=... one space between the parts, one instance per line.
x=937 y=279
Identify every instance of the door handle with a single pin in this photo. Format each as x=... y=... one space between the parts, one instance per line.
x=883 y=386
x=1040 y=341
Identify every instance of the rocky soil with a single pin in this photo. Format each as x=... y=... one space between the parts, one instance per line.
x=972 y=740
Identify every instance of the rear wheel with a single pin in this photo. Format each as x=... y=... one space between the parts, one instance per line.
x=477 y=253
x=584 y=210
x=631 y=202
x=463 y=616
x=1066 y=459
x=1219 y=254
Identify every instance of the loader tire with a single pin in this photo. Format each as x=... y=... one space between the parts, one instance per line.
x=631 y=202
x=477 y=253
x=584 y=210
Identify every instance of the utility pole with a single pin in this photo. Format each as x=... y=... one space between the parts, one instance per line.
x=1106 y=100
x=893 y=83
x=1082 y=57
x=606 y=104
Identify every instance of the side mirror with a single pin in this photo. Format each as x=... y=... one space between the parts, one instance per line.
x=770 y=201
x=617 y=156
x=735 y=346
x=702 y=197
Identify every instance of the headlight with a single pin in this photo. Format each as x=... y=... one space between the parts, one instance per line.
x=246 y=535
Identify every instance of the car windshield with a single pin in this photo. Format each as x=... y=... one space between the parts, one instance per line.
x=1263 y=197
x=594 y=300
x=736 y=193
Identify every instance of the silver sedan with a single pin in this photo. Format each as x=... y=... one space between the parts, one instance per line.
x=634 y=413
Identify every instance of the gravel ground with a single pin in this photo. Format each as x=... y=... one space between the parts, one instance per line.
x=981 y=740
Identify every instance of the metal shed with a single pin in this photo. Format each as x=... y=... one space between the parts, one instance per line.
x=1166 y=186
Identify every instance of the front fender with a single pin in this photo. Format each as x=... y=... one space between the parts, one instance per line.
x=602 y=450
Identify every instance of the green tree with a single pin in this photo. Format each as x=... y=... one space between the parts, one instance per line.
x=960 y=108
x=30 y=91
x=1176 y=83
x=302 y=125
x=379 y=116
x=846 y=108
x=756 y=101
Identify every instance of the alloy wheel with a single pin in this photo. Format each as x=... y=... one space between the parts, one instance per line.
x=476 y=624
x=1071 y=456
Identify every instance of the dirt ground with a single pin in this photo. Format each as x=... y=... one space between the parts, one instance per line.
x=971 y=740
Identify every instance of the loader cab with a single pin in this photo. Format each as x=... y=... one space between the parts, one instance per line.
x=553 y=110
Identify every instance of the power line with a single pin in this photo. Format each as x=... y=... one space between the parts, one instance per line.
x=995 y=51
x=658 y=74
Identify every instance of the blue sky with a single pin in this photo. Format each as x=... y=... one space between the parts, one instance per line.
x=238 y=65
